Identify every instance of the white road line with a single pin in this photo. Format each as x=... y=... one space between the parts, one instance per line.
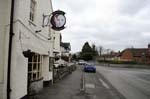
x=104 y=84
x=83 y=81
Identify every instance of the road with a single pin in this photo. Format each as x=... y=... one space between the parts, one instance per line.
x=80 y=85
x=131 y=83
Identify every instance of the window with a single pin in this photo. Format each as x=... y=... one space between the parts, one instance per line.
x=35 y=67
x=32 y=10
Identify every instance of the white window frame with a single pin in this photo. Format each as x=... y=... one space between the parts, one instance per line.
x=32 y=10
x=35 y=63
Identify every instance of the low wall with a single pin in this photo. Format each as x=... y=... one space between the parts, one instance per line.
x=35 y=87
x=60 y=72
x=124 y=65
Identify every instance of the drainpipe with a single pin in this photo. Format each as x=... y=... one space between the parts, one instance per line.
x=10 y=49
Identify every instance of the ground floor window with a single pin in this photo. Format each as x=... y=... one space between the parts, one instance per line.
x=35 y=67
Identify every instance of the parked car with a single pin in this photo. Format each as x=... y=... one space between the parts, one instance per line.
x=81 y=62
x=89 y=68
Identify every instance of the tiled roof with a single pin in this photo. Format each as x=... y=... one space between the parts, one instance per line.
x=139 y=51
x=65 y=45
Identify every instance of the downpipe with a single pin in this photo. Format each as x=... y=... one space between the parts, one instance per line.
x=10 y=49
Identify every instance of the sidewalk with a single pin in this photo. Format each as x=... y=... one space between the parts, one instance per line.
x=70 y=88
x=66 y=88
x=97 y=87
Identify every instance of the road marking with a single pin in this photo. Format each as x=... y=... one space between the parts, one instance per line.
x=83 y=81
x=89 y=85
x=104 y=84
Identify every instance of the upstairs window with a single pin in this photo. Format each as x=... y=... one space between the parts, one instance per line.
x=32 y=10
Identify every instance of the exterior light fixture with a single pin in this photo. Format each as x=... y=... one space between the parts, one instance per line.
x=37 y=31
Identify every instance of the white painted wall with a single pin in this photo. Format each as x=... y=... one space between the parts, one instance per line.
x=18 y=68
x=26 y=38
x=64 y=52
x=4 y=38
x=57 y=42
x=45 y=69
x=22 y=14
x=63 y=49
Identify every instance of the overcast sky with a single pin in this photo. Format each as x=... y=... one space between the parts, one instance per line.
x=113 y=24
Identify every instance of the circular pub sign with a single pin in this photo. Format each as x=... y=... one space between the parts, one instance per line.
x=58 y=20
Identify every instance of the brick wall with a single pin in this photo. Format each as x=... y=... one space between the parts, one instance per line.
x=127 y=56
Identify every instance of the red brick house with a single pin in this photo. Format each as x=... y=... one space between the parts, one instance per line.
x=140 y=55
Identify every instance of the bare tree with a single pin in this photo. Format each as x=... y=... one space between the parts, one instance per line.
x=100 y=50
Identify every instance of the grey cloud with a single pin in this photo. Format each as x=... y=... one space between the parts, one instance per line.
x=132 y=7
x=77 y=6
x=130 y=27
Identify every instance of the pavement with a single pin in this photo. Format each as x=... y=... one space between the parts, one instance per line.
x=80 y=85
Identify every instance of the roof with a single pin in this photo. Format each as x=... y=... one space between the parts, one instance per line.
x=65 y=45
x=138 y=51
x=111 y=54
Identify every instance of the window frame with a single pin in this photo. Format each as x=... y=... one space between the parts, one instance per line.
x=32 y=10
x=35 y=63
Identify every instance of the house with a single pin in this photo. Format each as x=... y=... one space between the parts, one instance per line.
x=62 y=58
x=5 y=9
x=140 y=55
x=108 y=57
x=65 y=50
x=29 y=59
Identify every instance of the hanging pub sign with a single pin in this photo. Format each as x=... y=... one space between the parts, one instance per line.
x=58 y=20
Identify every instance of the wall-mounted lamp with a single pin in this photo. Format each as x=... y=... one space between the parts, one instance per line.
x=49 y=38
x=37 y=31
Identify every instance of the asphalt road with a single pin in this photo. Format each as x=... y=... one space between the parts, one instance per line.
x=80 y=85
x=130 y=82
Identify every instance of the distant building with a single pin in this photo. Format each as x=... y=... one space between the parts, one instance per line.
x=108 y=57
x=140 y=55
x=64 y=56
x=65 y=48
